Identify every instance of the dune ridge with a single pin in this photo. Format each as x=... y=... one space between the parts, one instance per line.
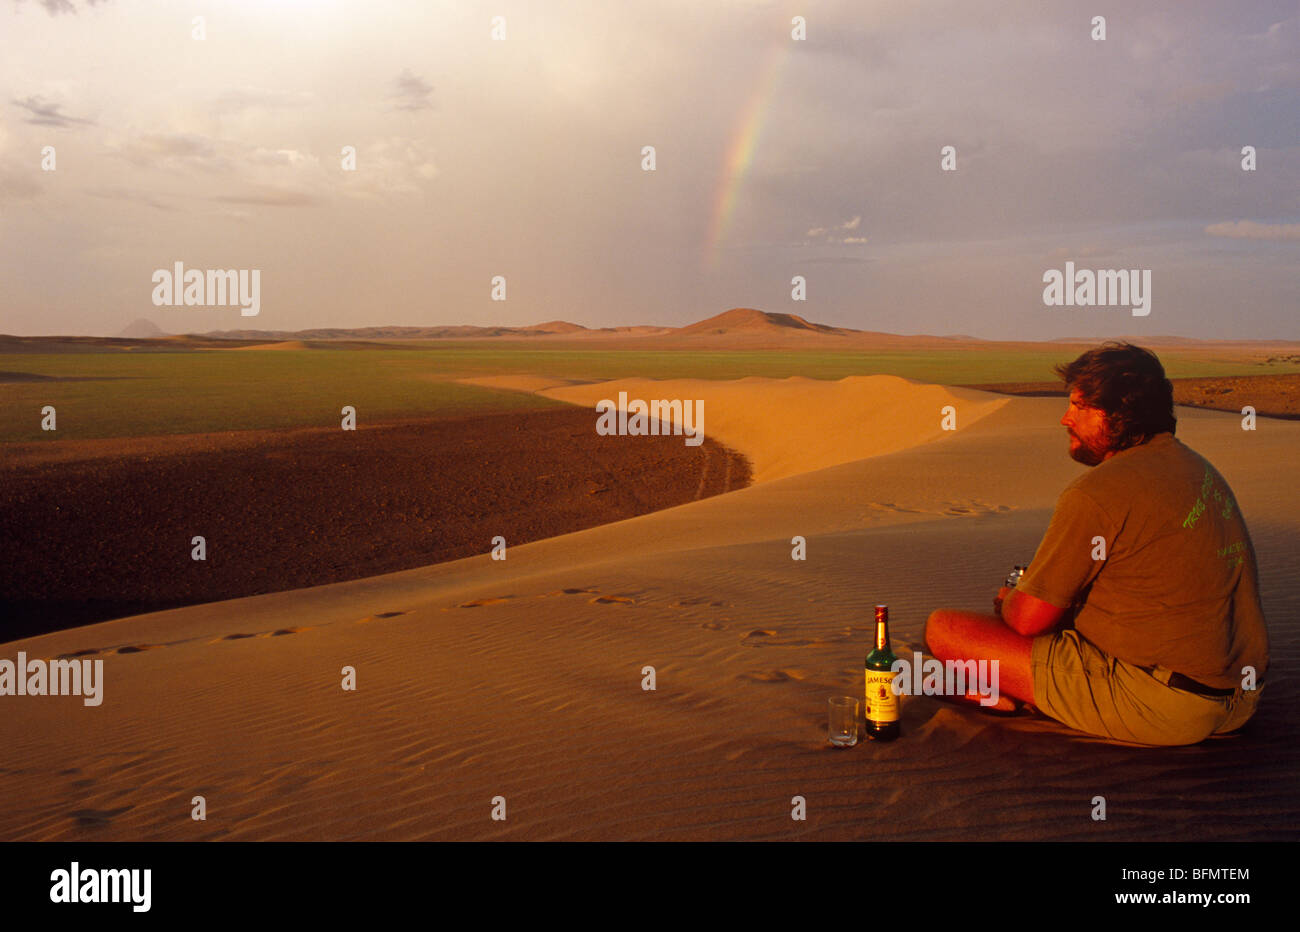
x=796 y=425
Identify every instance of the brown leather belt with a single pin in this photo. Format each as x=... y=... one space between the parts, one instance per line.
x=1178 y=681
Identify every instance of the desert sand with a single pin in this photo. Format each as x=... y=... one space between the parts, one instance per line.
x=522 y=678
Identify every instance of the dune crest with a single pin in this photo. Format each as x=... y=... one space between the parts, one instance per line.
x=790 y=426
x=519 y=383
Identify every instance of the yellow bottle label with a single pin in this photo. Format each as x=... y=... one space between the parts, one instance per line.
x=882 y=704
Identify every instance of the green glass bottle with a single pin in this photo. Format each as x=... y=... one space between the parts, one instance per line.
x=882 y=701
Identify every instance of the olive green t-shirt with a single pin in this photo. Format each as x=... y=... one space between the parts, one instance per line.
x=1150 y=548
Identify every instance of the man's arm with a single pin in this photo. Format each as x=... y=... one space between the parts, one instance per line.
x=1063 y=567
x=1027 y=615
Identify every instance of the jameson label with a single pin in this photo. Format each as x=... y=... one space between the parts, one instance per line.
x=882 y=704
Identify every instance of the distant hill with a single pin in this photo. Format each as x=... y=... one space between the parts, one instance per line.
x=749 y=320
x=141 y=329
x=741 y=321
x=1168 y=340
x=737 y=328
x=555 y=326
x=399 y=333
x=637 y=330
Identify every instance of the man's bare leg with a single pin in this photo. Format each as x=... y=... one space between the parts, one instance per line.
x=957 y=635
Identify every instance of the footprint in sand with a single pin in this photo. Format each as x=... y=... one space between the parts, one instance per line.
x=377 y=616
x=569 y=590
x=763 y=637
x=973 y=507
x=135 y=648
x=772 y=676
x=890 y=506
x=94 y=818
x=688 y=603
x=244 y=635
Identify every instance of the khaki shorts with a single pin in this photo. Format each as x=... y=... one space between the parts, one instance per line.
x=1081 y=686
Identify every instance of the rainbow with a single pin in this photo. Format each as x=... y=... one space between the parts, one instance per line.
x=740 y=151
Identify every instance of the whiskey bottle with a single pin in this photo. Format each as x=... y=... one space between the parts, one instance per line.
x=882 y=701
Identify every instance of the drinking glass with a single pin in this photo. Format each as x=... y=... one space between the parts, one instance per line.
x=843 y=728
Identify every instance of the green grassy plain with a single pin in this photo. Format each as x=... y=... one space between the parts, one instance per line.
x=123 y=394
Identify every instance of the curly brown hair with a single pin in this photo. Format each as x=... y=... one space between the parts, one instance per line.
x=1128 y=383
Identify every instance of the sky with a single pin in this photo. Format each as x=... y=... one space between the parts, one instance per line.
x=774 y=157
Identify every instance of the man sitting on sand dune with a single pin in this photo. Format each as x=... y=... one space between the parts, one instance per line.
x=1148 y=556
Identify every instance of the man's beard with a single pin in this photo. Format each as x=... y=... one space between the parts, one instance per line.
x=1080 y=452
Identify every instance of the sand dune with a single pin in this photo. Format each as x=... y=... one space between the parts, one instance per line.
x=798 y=425
x=280 y=345
x=523 y=678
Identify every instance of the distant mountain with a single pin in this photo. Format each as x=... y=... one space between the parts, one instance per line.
x=753 y=327
x=142 y=329
x=745 y=327
x=638 y=330
x=374 y=333
x=555 y=326
x=396 y=333
x=749 y=320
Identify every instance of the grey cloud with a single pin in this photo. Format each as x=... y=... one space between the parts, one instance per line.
x=1249 y=229
x=129 y=194
x=56 y=7
x=44 y=113
x=412 y=93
